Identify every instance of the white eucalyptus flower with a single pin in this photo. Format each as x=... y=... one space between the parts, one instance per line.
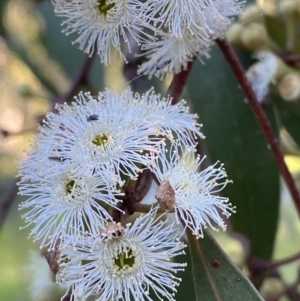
x=191 y=28
x=83 y=153
x=175 y=13
x=101 y=24
x=205 y=18
x=127 y=266
x=97 y=132
x=65 y=203
x=171 y=121
x=262 y=73
x=218 y=15
x=171 y=54
x=190 y=193
x=115 y=131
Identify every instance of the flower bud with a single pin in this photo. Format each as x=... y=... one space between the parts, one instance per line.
x=289 y=87
x=166 y=195
x=234 y=33
x=270 y=286
x=288 y=7
x=24 y=90
x=251 y=13
x=112 y=230
x=52 y=258
x=255 y=37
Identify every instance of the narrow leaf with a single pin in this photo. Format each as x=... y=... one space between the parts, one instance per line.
x=234 y=137
x=216 y=278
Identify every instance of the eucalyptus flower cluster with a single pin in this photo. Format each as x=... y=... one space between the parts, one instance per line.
x=76 y=177
x=170 y=32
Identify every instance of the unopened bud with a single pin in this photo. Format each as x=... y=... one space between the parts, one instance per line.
x=255 y=37
x=52 y=258
x=111 y=230
x=288 y=7
x=251 y=13
x=24 y=90
x=272 y=284
x=289 y=87
x=234 y=33
x=165 y=195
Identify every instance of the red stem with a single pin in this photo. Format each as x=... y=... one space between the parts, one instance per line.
x=77 y=82
x=261 y=117
x=277 y=263
x=259 y=264
x=178 y=82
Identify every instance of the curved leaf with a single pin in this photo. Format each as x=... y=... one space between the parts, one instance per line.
x=234 y=138
x=216 y=278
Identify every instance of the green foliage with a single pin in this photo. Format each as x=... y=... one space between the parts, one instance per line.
x=216 y=278
x=234 y=138
x=289 y=115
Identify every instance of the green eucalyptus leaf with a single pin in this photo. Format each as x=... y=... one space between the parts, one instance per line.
x=289 y=114
x=234 y=138
x=216 y=278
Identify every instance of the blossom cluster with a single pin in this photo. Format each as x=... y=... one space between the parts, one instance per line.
x=76 y=177
x=170 y=32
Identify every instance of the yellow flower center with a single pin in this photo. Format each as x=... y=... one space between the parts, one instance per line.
x=69 y=186
x=124 y=259
x=104 y=7
x=100 y=140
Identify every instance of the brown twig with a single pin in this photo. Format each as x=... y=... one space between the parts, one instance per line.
x=146 y=208
x=136 y=190
x=261 y=117
x=80 y=79
x=179 y=80
x=259 y=264
x=291 y=59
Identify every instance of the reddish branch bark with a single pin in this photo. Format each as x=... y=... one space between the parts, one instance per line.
x=261 y=117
